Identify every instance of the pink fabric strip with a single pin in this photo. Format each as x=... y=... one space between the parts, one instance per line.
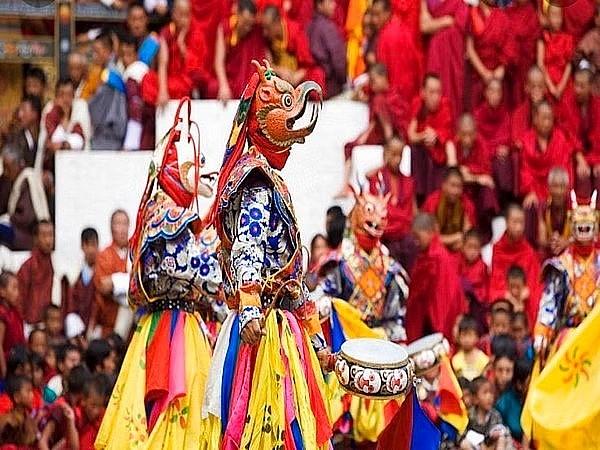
x=240 y=395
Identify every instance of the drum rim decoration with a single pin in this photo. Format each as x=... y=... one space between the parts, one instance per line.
x=437 y=340
x=394 y=365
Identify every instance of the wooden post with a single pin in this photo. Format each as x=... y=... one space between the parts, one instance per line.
x=65 y=34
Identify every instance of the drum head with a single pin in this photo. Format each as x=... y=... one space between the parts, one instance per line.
x=424 y=343
x=375 y=352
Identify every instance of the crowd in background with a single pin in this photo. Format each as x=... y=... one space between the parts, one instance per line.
x=498 y=106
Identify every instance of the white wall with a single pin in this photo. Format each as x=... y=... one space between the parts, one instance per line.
x=92 y=185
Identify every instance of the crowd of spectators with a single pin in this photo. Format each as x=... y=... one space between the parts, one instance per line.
x=497 y=105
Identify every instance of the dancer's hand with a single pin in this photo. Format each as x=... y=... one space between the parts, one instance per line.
x=253 y=331
x=325 y=360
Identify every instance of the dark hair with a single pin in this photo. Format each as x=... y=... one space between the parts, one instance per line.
x=379 y=68
x=247 y=5
x=472 y=234
x=37 y=225
x=18 y=357
x=503 y=345
x=105 y=38
x=512 y=207
x=99 y=383
x=49 y=308
x=37 y=73
x=520 y=315
x=431 y=76
x=501 y=304
x=313 y=241
x=516 y=271
x=77 y=379
x=64 y=82
x=385 y=3
x=35 y=331
x=5 y=276
x=128 y=39
x=477 y=383
x=465 y=384
x=15 y=383
x=35 y=102
x=335 y=226
x=498 y=311
x=64 y=349
x=117 y=343
x=523 y=368
x=98 y=350
x=468 y=323
x=89 y=235
x=36 y=361
x=453 y=171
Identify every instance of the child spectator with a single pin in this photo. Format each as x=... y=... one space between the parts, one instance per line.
x=474 y=277
x=101 y=357
x=35 y=82
x=60 y=423
x=500 y=320
x=38 y=366
x=503 y=368
x=517 y=292
x=11 y=322
x=467 y=393
x=510 y=403
x=318 y=247
x=520 y=333
x=53 y=325
x=83 y=292
x=17 y=427
x=483 y=418
x=17 y=363
x=38 y=342
x=75 y=331
x=119 y=347
x=469 y=362
x=67 y=357
x=554 y=53
x=91 y=411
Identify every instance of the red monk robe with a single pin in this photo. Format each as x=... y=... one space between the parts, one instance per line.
x=478 y=161
x=506 y=254
x=525 y=30
x=435 y=299
x=239 y=54
x=36 y=278
x=536 y=164
x=428 y=162
x=476 y=280
x=558 y=51
x=493 y=127
x=184 y=73
x=206 y=16
x=446 y=50
x=579 y=17
x=394 y=36
x=408 y=12
x=488 y=28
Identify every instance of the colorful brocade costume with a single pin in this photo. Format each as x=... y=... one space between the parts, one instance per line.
x=362 y=294
x=562 y=407
x=268 y=395
x=157 y=399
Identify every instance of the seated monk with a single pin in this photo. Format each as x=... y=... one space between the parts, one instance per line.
x=388 y=115
x=452 y=209
x=542 y=147
x=401 y=205
x=579 y=117
x=493 y=128
x=475 y=163
x=535 y=91
x=290 y=49
x=513 y=249
x=554 y=227
x=429 y=134
x=435 y=298
x=239 y=41
x=180 y=60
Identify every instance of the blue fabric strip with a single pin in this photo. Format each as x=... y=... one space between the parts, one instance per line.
x=424 y=434
x=174 y=316
x=337 y=334
x=229 y=372
x=297 y=435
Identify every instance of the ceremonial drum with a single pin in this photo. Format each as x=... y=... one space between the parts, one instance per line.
x=427 y=352
x=374 y=368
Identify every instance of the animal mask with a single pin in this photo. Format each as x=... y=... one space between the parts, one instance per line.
x=584 y=219
x=368 y=217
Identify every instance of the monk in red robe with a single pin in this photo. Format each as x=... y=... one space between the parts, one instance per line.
x=488 y=49
x=474 y=276
x=402 y=204
x=388 y=115
x=444 y=25
x=475 y=162
x=554 y=53
x=579 y=117
x=408 y=12
x=535 y=91
x=110 y=310
x=435 y=299
x=493 y=127
x=525 y=29
x=239 y=41
x=290 y=49
x=429 y=133
x=513 y=249
x=393 y=35
x=554 y=224
x=452 y=209
x=206 y=17
x=579 y=17
x=181 y=60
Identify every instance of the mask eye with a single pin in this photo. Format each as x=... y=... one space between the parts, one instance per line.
x=369 y=208
x=287 y=101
